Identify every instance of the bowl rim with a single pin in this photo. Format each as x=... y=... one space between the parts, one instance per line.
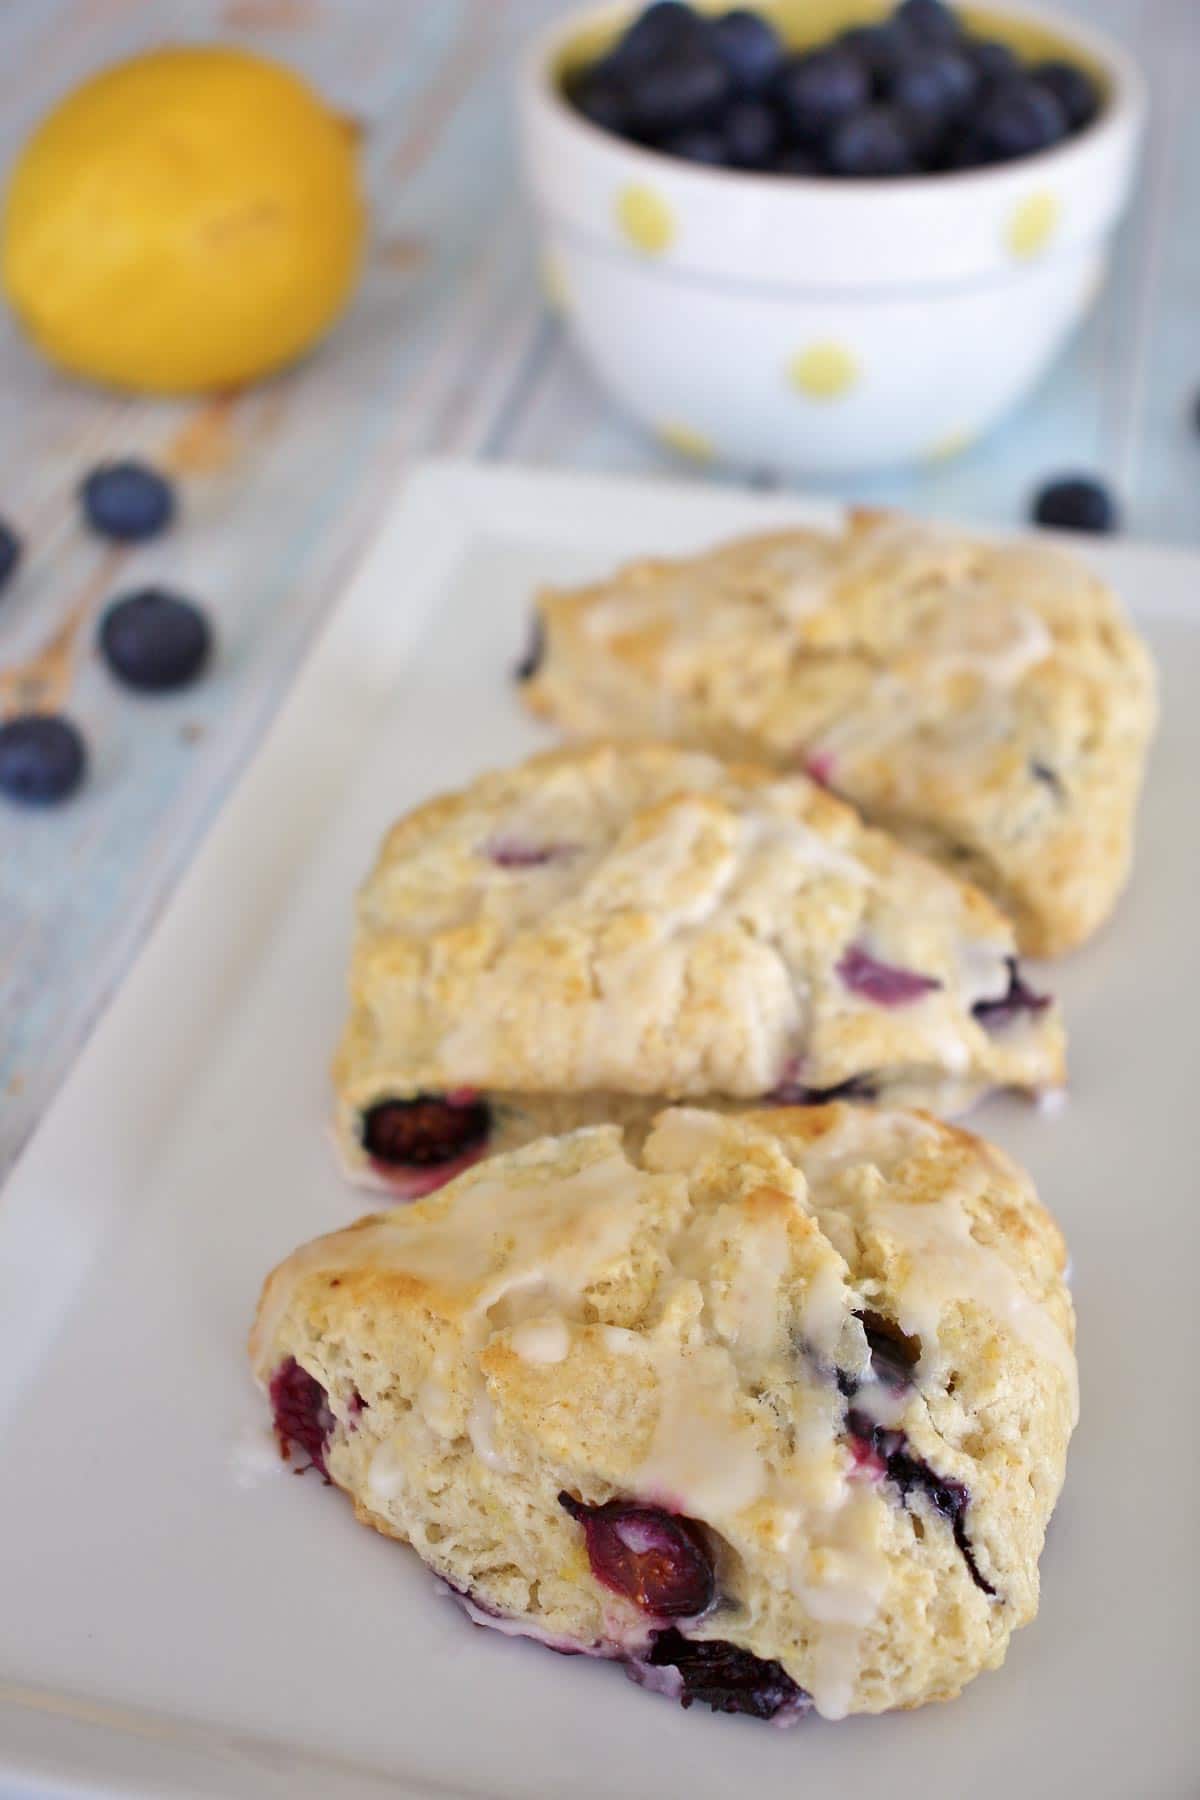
x=1124 y=111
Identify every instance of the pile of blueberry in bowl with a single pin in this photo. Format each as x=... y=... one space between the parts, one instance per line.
x=918 y=92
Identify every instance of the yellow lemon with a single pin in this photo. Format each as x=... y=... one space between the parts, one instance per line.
x=187 y=220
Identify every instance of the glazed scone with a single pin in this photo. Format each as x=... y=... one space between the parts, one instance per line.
x=774 y=1408
x=987 y=702
x=599 y=931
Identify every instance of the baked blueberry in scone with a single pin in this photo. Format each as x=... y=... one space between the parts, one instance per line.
x=598 y=931
x=988 y=702
x=773 y=1408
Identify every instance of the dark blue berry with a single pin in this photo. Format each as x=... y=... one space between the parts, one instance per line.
x=1076 y=503
x=10 y=551
x=659 y=1560
x=933 y=83
x=154 y=641
x=424 y=1131
x=687 y=88
x=751 y=132
x=750 y=47
x=797 y=159
x=127 y=500
x=662 y=29
x=726 y=1678
x=874 y=142
x=702 y=144
x=1017 y=118
x=929 y=21
x=817 y=90
x=991 y=60
x=948 y=1497
x=878 y=47
x=1019 y=999
x=1074 y=90
x=42 y=759
x=602 y=100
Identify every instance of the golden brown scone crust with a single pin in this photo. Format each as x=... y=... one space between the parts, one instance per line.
x=648 y=922
x=684 y=1326
x=988 y=702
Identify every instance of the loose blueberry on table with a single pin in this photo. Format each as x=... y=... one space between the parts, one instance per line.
x=127 y=501
x=42 y=759
x=425 y=1131
x=10 y=552
x=1076 y=503
x=155 y=641
x=916 y=93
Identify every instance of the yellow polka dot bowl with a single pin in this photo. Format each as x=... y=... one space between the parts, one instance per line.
x=805 y=326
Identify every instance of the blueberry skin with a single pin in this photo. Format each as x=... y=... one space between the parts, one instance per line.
x=599 y=95
x=690 y=87
x=878 y=47
x=874 y=142
x=660 y=30
x=155 y=641
x=817 y=90
x=1018 y=118
x=701 y=144
x=929 y=21
x=10 y=552
x=1074 y=90
x=934 y=83
x=991 y=60
x=127 y=500
x=751 y=133
x=1076 y=503
x=796 y=159
x=42 y=759
x=750 y=47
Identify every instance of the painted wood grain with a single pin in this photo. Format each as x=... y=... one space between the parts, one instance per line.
x=448 y=347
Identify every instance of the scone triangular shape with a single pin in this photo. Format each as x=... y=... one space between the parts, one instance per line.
x=986 y=701
x=597 y=931
x=773 y=1409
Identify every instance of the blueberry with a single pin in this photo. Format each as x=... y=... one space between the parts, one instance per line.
x=750 y=132
x=894 y=1353
x=427 y=1130
x=534 y=653
x=929 y=21
x=687 y=88
x=155 y=641
x=726 y=1678
x=991 y=60
x=42 y=759
x=702 y=144
x=10 y=551
x=1074 y=90
x=882 y=983
x=657 y=1559
x=948 y=1497
x=302 y=1413
x=876 y=141
x=1076 y=503
x=878 y=47
x=657 y=33
x=933 y=83
x=1018 y=999
x=796 y=159
x=1017 y=118
x=817 y=90
x=602 y=100
x=750 y=47
x=127 y=500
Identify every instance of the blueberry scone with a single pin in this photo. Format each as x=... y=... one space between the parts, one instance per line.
x=989 y=703
x=772 y=1408
x=598 y=931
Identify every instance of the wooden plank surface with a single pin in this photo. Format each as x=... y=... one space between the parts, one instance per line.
x=448 y=347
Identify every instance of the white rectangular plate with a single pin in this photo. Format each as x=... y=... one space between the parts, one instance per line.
x=166 y=1631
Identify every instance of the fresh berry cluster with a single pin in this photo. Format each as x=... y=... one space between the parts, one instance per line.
x=151 y=640
x=917 y=93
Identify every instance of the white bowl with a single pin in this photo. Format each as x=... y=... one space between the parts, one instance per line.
x=807 y=325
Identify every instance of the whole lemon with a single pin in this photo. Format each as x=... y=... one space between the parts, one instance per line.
x=186 y=220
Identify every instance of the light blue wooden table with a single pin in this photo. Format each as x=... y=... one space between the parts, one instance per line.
x=449 y=347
